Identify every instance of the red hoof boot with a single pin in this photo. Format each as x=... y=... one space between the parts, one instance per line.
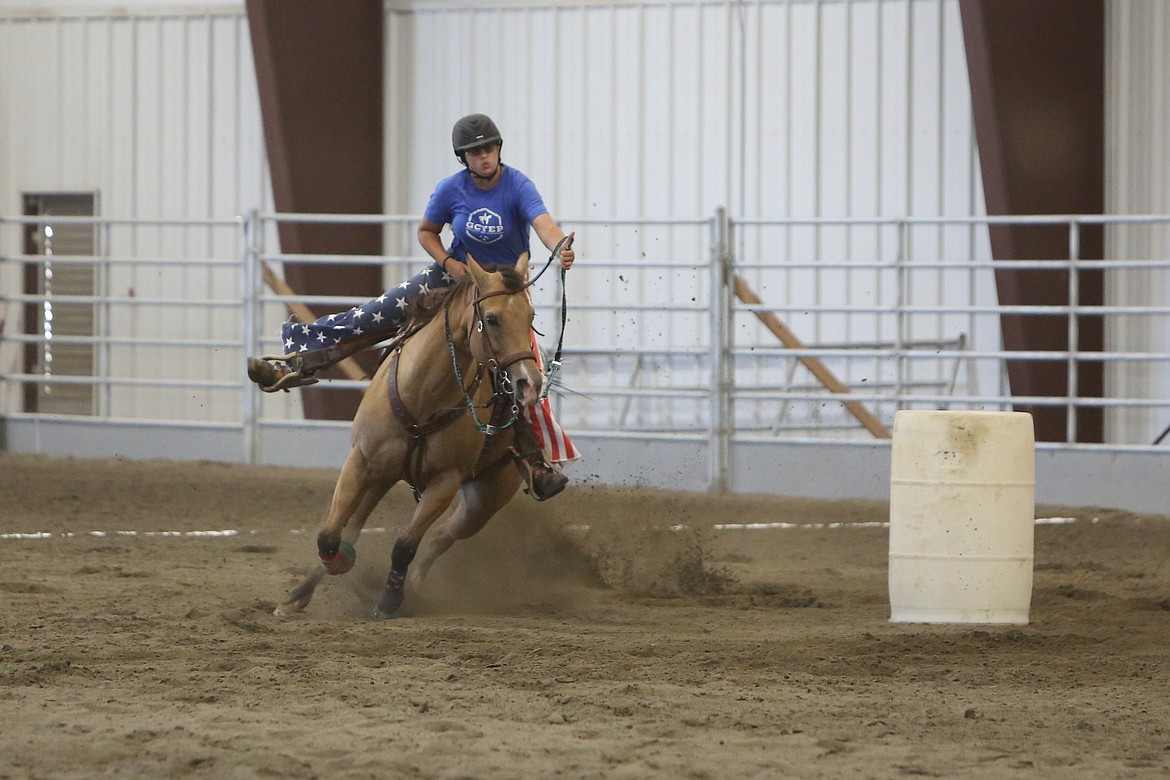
x=342 y=561
x=546 y=482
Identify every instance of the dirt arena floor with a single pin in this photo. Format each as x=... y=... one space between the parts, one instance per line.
x=604 y=634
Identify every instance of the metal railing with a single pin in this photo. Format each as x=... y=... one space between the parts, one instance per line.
x=712 y=329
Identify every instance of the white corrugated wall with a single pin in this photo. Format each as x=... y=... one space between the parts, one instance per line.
x=158 y=115
x=771 y=109
x=1137 y=126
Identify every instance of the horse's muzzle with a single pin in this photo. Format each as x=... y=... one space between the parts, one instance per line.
x=526 y=391
x=526 y=382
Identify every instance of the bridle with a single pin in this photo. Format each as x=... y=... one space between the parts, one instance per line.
x=481 y=344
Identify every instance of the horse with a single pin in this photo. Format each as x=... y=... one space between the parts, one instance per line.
x=472 y=351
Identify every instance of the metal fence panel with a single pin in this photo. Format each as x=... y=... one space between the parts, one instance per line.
x=715 y=345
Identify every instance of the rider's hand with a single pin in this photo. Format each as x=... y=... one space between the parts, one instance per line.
x=454 y=268
x=567 y=257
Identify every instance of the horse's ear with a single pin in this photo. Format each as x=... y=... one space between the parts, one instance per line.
x=522 y=266
x=477 y=272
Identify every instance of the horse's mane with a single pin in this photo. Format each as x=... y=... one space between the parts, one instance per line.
x=424 y=308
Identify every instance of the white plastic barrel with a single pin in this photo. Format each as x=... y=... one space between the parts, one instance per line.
x=962 y=517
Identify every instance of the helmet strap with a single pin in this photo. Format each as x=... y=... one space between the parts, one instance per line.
x=489 y=177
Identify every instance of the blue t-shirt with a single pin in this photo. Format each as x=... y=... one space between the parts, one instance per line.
x=491 y=224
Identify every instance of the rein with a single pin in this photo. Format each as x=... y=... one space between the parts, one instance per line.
x=503 y=383
x=554 y=365
x=501 y=390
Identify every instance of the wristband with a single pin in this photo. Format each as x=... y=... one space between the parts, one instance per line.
x=445 y=259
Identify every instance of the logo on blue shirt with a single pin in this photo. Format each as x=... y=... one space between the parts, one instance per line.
x=485 y=226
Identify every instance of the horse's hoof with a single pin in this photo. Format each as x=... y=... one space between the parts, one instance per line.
x=389 y=604
x=342 y=561
x=380 y=615
x=287 y=610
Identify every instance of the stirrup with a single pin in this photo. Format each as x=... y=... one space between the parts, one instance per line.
x=271 y=376
x=543 y=480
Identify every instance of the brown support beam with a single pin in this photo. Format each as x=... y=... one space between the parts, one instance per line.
x=1037 y=72
x=814 y=364
x=319 y=71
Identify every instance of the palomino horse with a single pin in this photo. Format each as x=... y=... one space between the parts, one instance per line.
x=414 y=424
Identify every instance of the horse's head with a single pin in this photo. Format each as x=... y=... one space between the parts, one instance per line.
x=500 y=330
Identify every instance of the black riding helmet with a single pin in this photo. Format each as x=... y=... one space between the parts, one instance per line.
x=471 y=131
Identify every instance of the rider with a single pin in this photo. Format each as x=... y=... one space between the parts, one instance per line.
x=490 y=208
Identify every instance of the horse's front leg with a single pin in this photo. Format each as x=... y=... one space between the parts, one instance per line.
x=436 y=497
x=359 y=490
x=356 y=494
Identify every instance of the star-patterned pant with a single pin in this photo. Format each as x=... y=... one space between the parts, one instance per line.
x=386 y=314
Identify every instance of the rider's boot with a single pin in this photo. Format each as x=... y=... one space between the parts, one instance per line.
x=544 y=479
x=284 y=372
x=266 y=373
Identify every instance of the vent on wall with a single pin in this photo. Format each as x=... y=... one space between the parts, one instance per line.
x=60 y=273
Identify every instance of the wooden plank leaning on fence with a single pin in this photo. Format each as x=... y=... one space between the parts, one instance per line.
x=813 y=364
x=305 y=314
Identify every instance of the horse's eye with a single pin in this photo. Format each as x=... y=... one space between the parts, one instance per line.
x=492 y=320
